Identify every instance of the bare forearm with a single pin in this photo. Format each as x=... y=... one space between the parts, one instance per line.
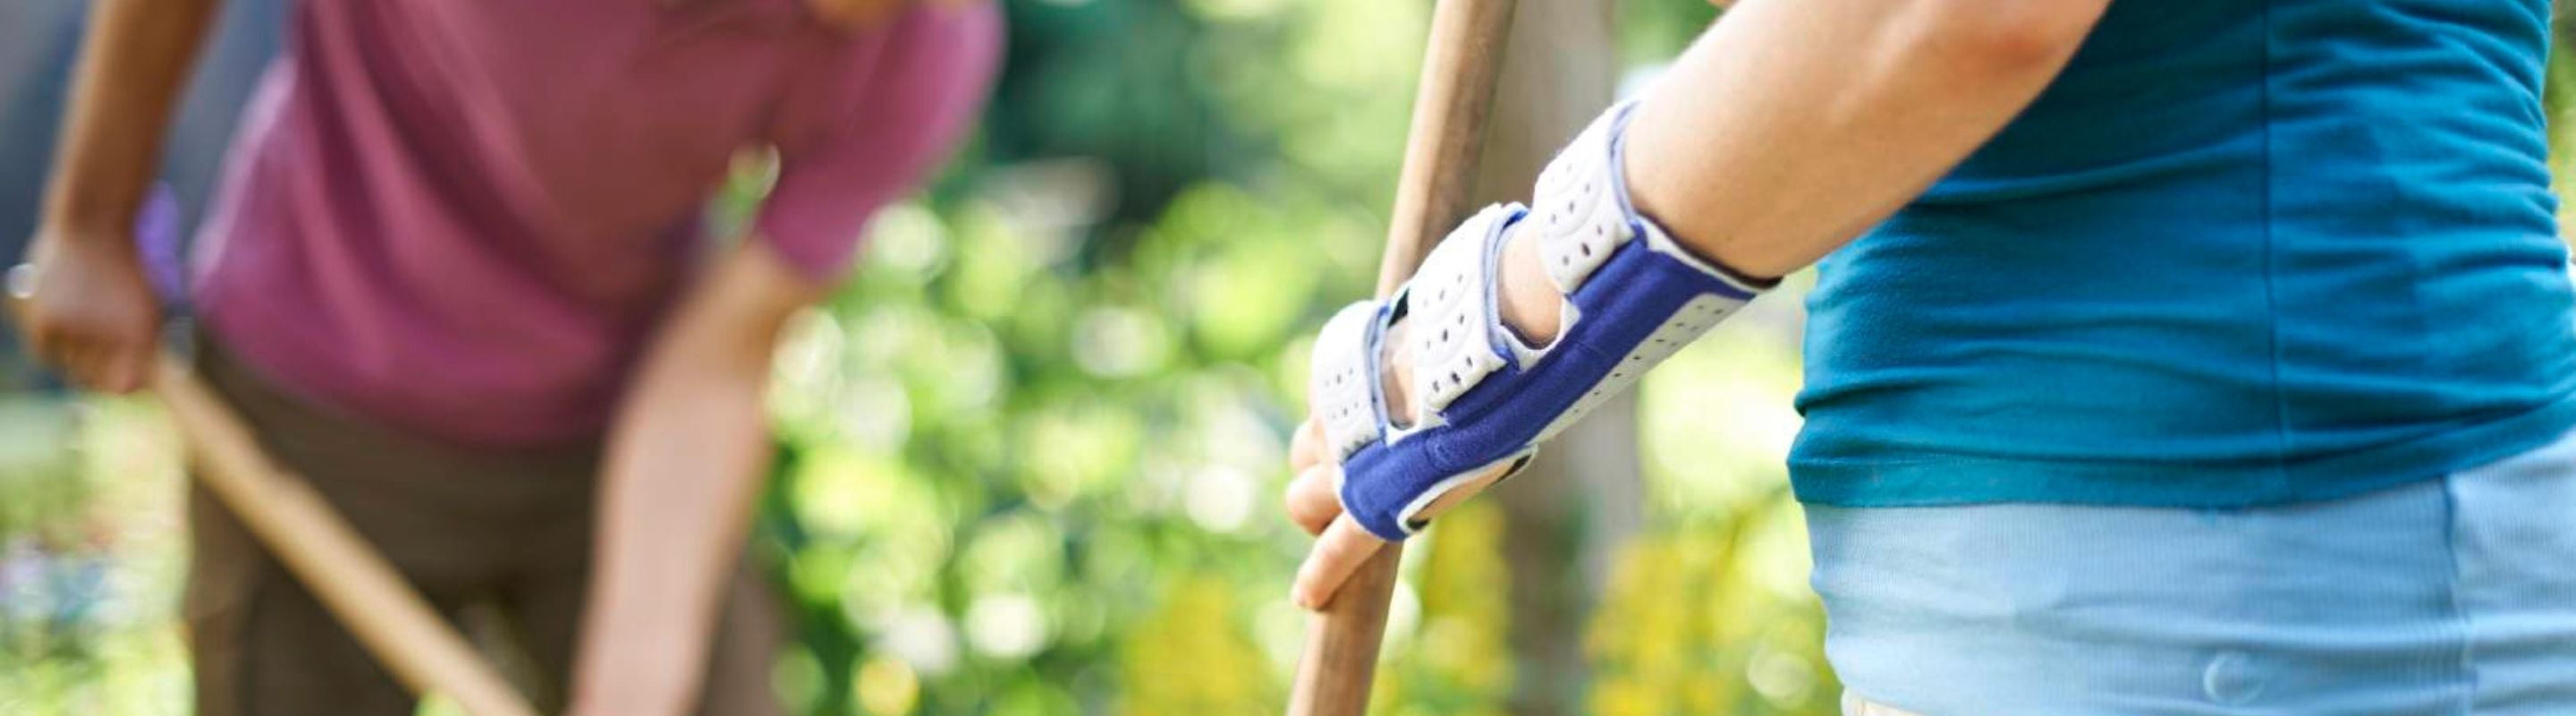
x=134 y=62
x=1792 y=126
x=686 y=461
x=92 y=314
x=682 y=475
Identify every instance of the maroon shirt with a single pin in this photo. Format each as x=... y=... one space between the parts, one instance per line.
x=465 y=217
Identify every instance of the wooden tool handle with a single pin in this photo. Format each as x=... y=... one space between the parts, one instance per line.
x=1450 y=110
x=329 y=557
x=325 y=553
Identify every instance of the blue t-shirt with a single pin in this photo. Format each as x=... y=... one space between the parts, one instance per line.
x=2241 y=252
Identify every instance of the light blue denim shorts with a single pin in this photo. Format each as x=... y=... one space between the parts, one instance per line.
x=2447 y=596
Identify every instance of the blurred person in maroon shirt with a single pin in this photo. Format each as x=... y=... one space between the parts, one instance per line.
x=456 y=276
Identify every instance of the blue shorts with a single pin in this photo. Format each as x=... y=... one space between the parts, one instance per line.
x=2448 y=596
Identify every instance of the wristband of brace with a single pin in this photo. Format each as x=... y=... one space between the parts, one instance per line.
x=1484 y=397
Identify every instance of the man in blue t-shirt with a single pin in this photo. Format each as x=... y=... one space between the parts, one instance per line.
x=2169 y=357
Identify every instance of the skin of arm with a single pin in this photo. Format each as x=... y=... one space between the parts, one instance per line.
x=92 y=313
x=686 y=458
x=1788 y=129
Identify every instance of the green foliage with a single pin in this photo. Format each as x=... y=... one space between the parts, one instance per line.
x=1194 y=656
x=1653 y=32
x=88 y=565
x=2558 y=81
x=1458 y=659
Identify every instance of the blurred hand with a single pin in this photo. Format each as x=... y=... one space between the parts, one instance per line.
x=89 y=311
x=1529 y=305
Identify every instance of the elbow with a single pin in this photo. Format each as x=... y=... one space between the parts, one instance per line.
x=2001 y=38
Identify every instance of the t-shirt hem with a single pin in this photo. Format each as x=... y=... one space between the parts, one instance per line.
x=277 y=367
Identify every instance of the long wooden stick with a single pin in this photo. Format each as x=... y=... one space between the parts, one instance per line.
x=327 y=555
x=1450 y=110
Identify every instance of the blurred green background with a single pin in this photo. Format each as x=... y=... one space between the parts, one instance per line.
x=1032 y=453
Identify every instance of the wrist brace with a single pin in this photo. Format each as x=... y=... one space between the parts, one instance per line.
x=1482 y=396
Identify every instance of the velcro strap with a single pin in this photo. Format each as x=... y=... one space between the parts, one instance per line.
x=1339 y=390
x=1486 y=399
x=1580 y=206
x=1449 y=306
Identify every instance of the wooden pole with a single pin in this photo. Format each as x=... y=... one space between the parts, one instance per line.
x=1459 y=68
x=327 y=555
x=331 y=558
x=1567 y=512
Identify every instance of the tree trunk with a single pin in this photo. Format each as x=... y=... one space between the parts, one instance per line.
x=1582 y=498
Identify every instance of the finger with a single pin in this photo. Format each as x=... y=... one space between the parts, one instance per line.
x=60 y=349
x=1307 y=448
x=1314 y=498
x=107 y=373
x=1340 y=551
x=79 y=363
x=45 y=344
x=99 y=369
x=126 y=370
